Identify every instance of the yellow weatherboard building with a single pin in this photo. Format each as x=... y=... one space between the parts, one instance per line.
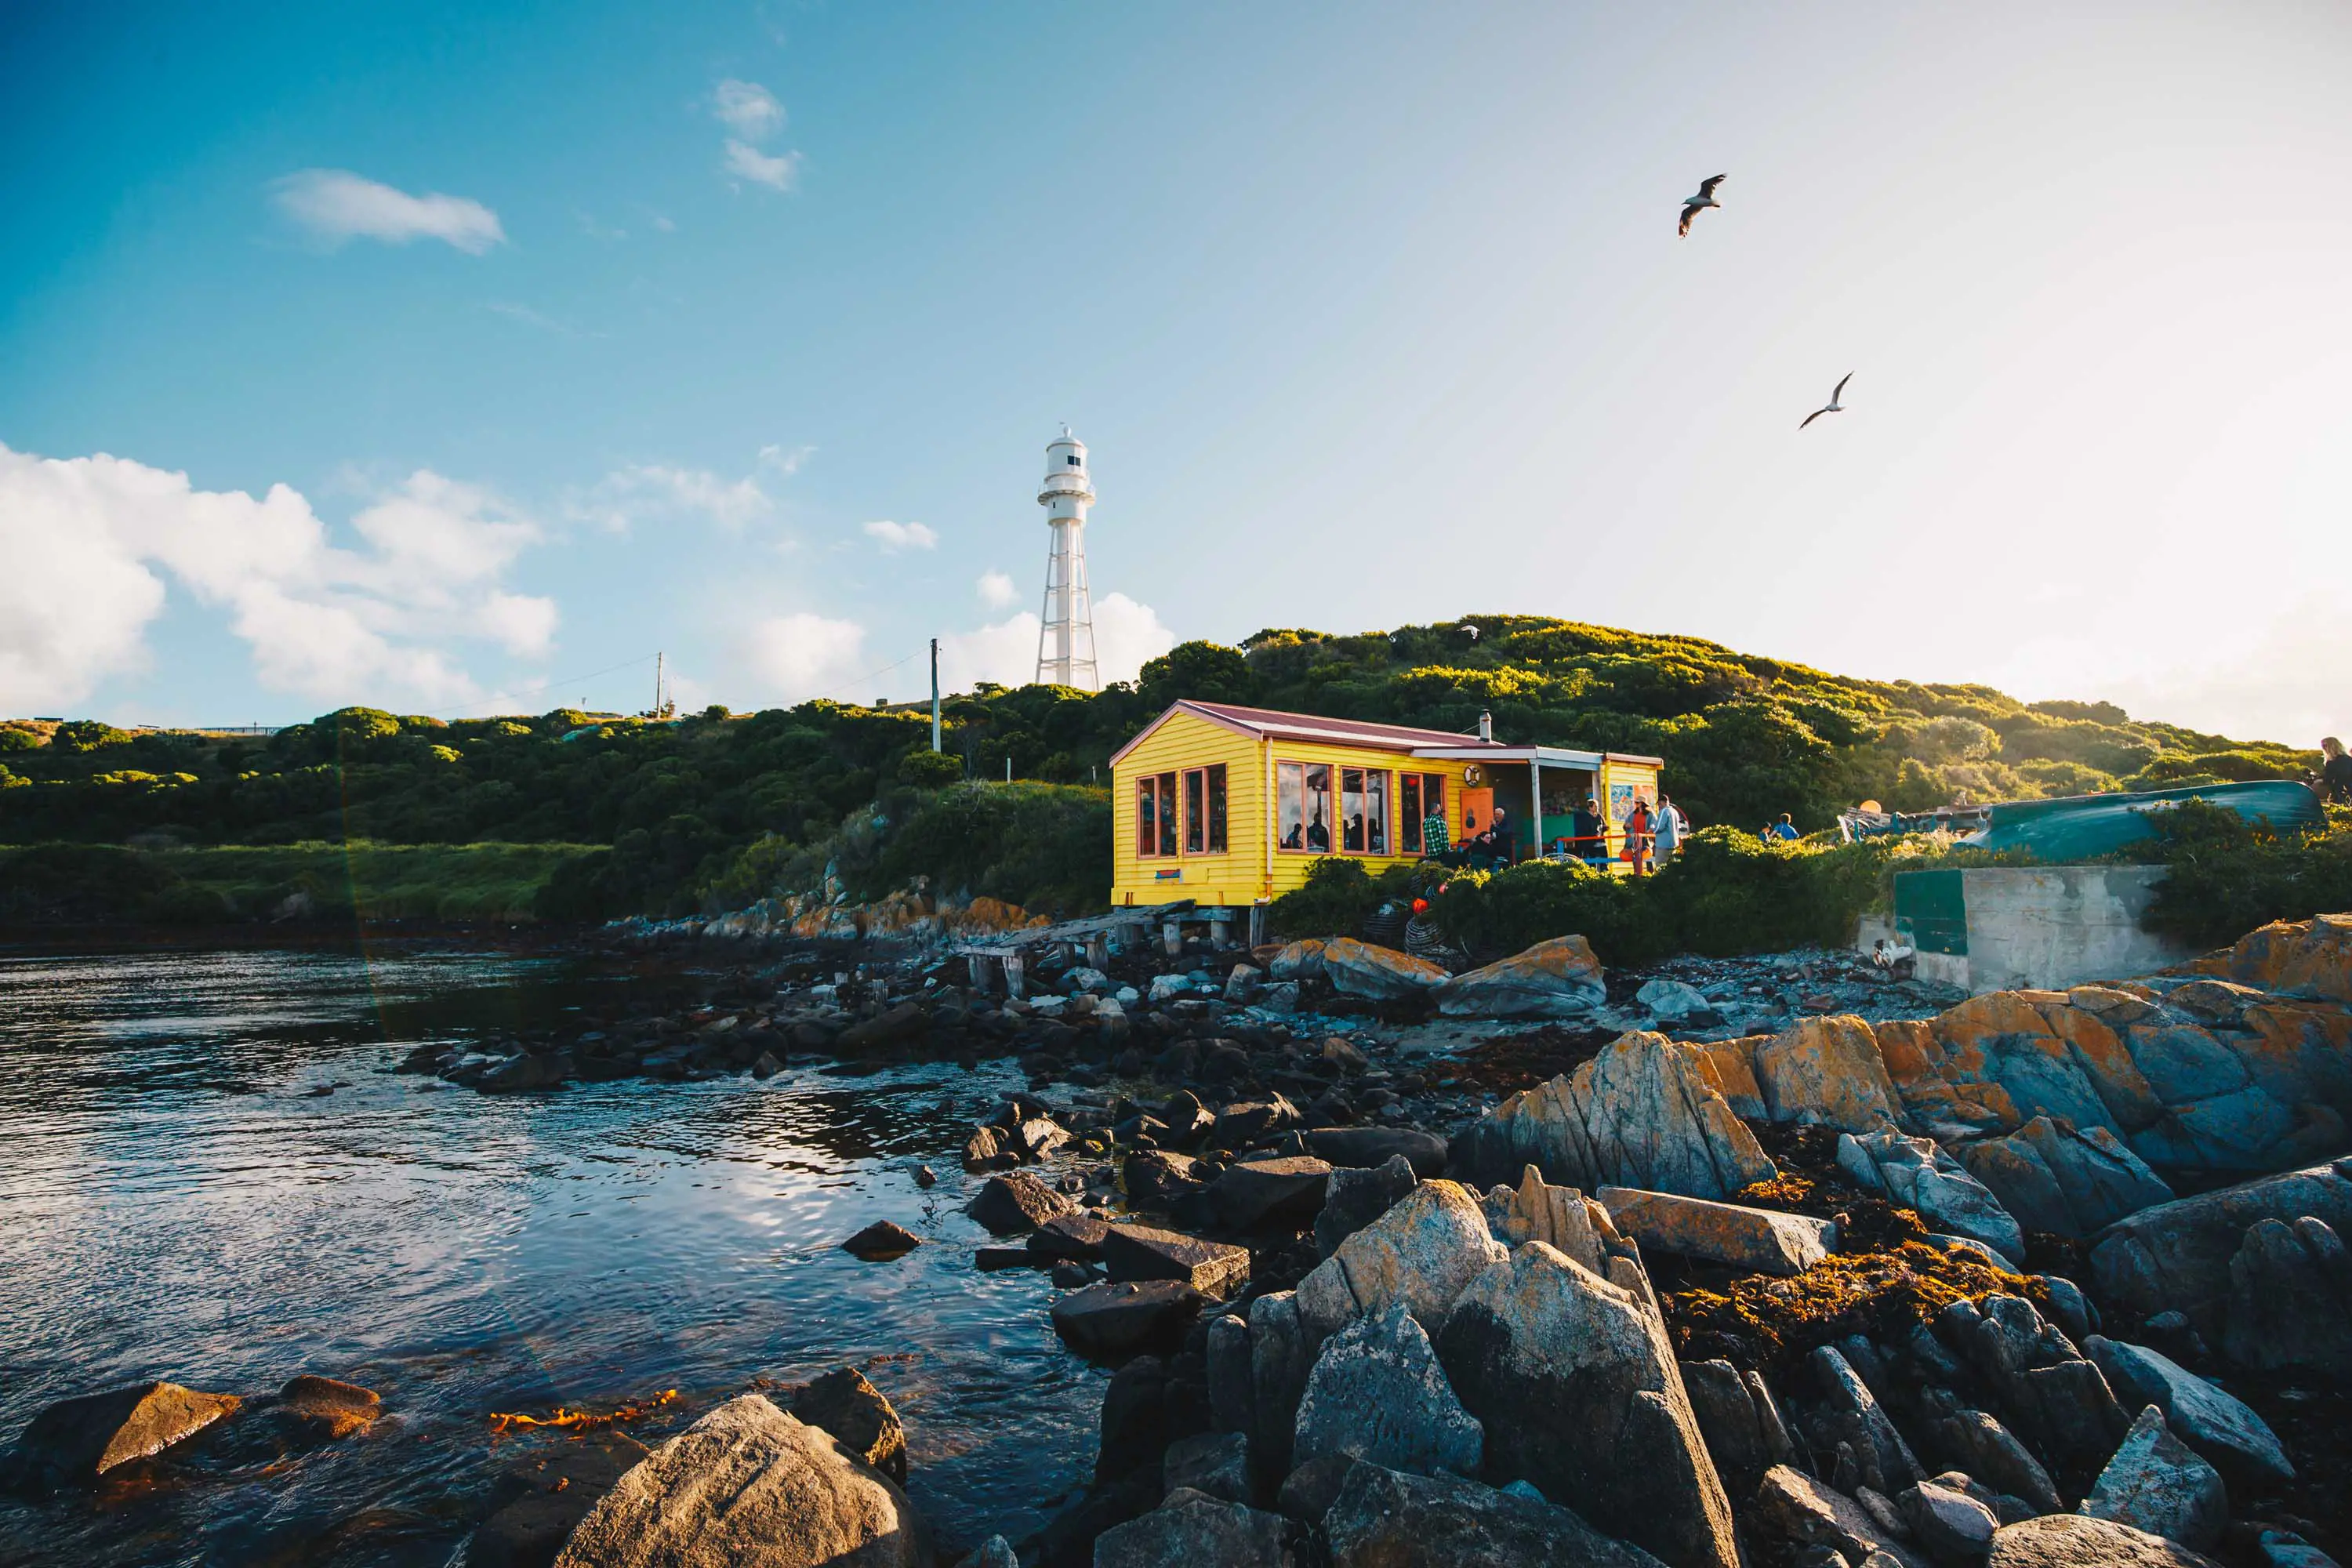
x=1228 y=805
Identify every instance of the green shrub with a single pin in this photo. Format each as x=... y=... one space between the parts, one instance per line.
x=2227 y=875
x=930 y=770
x=1500 y=912
x=1338 y=898
x=1043 y=846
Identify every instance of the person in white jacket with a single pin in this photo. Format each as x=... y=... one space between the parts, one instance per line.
x=1670 y=828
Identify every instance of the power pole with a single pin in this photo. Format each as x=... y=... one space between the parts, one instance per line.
x=935 y=694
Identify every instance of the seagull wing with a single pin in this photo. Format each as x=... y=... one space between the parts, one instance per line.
x=1841 y=388
x=1690 y=212
x=1816 y=413
x=1706 y=187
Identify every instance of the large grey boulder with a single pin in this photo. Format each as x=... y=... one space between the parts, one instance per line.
x=1378 y=1393
x=1556 y=979
x=2291 y=1298
x=1798 y=1509
x=1741 y=1421
x=2155 y=1483
x=76 y=1441
x=2077 y=1541
x=860 y=1418
x=1233 y=1390
x=1137 y=1252
x=1991 y=1452
x=2218 y=1426
x=1916 y=1174
x=1017 y=1202
x=1671 y=999
x=1281 y=1358
x=1755 y=1240
x=1642 y=1114
x=1853 y=1414
x=1424 y=1252
x=1298 y=961
x=1285 y=1191
x=750 y=1487
x=1576 y=1384
x=1382 y=1519
x=1112 y=1321
x=1215 y=1463
x=1190 y=1529
x=2177 y=1255
x=1377 y=973
x=1364 y=1148
x=1950 y=1524
x=2061 y=1400
x=2070 y=1181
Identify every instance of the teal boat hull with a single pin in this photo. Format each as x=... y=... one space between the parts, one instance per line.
x=2083 y=827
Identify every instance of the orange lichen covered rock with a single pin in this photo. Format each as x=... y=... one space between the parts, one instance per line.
x=1828 y=1071
x=1729 y=1066
x=2313 y=956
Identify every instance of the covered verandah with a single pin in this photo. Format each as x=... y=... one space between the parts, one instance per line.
x=1539 y=788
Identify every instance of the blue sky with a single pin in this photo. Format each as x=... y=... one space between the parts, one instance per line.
x=1369 y=314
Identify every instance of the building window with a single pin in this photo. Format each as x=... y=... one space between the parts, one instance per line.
x=1303 y=820
x=1364 y=811
x=1204 y=810
x=1072 y=461
x=1420 y=797
x=1155 y=814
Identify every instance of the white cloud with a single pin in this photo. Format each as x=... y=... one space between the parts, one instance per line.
x=336 y=205
x=655 y=492
x=785 y=460
x=749 y=163
x=531 y=318
x=84 y=539
x=1006 y=653
x=895 y=536
x=1127 y=634
x=996 y=590
x=747 y=108
x=523 y=624
x=801 y=655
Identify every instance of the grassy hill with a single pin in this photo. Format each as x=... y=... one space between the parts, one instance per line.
x=713 y=810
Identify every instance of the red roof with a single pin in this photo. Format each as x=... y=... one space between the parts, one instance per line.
x=1310 y=727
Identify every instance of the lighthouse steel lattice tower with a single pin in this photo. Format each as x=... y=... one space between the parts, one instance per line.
x=1065 y=642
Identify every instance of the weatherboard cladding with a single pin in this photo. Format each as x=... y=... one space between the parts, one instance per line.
x=1249 y=741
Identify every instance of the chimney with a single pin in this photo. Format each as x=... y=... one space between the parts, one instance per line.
x=1486 y=725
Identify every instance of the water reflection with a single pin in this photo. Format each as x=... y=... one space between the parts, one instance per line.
x=180 y=1200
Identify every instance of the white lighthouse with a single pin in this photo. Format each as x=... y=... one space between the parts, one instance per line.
x=1065 y=643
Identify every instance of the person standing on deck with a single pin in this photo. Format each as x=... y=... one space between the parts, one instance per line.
x=1637 y=836
x=2335 y=773
x=1672 y=826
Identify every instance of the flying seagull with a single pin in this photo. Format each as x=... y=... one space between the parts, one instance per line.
x=1691 y=206
x=1835 y=407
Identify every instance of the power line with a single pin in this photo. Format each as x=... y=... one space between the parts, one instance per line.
x=571 y=679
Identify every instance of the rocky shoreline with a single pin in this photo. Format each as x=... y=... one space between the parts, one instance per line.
x=1766 y=1260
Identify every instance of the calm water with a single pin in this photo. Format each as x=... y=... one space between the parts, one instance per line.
x=176 y=1201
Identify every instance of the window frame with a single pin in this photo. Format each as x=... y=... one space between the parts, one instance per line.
x=1163 y=840
x=1330 y=794
x=1377 y=784
x=1214 y=816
